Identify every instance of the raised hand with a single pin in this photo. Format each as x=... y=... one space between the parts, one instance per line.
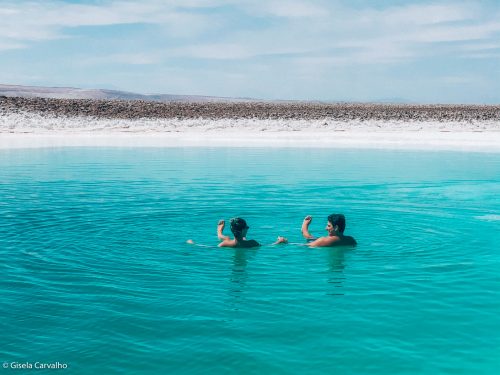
x=220 y=225
x=220 y=228
x=305 y=227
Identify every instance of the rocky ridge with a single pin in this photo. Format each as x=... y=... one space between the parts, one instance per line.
x=139 y=109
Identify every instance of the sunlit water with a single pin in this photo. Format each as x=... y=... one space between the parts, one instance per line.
x=96 y=274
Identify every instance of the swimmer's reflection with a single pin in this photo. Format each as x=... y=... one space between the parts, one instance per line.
x=335 y=258
x=239 y=273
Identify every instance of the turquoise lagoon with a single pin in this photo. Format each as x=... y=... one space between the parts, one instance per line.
x=96 y=273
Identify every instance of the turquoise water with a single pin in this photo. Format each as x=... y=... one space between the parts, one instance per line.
x=96 y=273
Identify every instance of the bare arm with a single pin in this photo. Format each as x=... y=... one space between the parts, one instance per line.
x=226 y=243
x=305 y=227
x=220 y=230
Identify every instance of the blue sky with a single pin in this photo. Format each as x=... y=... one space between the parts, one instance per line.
x=417 y=51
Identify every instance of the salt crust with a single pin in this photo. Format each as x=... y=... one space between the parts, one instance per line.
x=28 y=130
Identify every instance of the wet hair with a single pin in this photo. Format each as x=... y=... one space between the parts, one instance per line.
x=339 y=220
x=237 y=226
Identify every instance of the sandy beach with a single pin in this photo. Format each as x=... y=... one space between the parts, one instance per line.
x=36 y=122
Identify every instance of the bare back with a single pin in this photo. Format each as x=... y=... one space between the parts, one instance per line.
x=331 y=241
x=239 y=243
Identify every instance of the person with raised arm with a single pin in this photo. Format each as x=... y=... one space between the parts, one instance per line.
x=239 y=228
x=335 y=227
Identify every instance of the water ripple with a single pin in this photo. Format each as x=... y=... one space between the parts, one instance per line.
x=96 y=264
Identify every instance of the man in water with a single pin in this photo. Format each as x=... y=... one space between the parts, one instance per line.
x=239 y=228
x=335 y=228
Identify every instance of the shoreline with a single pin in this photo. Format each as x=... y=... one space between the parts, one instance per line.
x=468 y=141
x=42 y=123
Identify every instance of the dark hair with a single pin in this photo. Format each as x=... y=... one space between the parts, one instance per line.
x=237 y=226
x=339 y=220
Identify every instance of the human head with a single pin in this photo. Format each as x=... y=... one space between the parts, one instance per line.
x=239 y=227
x=337 y=220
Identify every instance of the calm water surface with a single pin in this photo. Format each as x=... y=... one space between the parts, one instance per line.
x=96 y=273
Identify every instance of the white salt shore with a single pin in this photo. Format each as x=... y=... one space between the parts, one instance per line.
x=462 y=141
x=22 y=131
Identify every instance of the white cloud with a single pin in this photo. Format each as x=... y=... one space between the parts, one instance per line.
x=295 y=9
x=315 y=32
x=426 y=14
x=483 y=55
x=460 y=80
x=122 y=58
x=216 y=51
x=6 y=45
x=487 y=46
x=30 y=21
x=342 y=35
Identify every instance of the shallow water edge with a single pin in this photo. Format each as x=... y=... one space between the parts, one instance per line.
x=473 y=141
